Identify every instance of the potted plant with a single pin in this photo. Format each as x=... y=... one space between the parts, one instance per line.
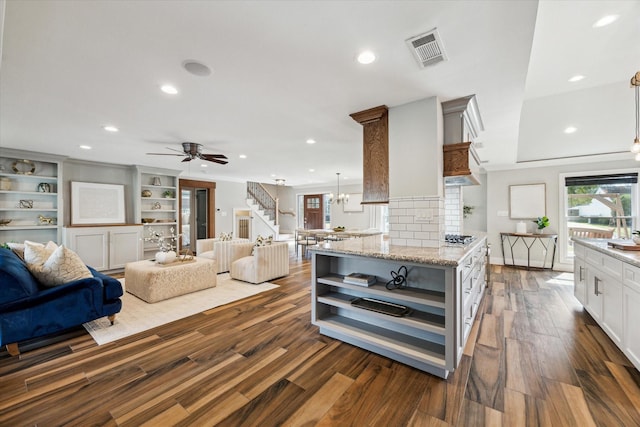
x=167 y=194
x=542 y=222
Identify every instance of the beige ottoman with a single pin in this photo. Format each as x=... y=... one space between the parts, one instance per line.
x=152 y=283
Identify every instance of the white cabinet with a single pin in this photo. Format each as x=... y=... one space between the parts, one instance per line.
x=580 y=279
x=631 y=320
x=604 y=292
x=430 y=337
x=105 y=248
x=30 y=196
x=594 y=293
x=612 y=295
x=157 y=201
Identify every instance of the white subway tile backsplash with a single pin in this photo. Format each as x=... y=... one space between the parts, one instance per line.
x=405 y=220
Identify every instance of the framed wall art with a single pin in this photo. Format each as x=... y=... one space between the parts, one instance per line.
x=527 y=201
x=93 y=203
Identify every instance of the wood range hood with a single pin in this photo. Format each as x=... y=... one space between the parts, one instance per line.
x=375 y=150
x=462 y=123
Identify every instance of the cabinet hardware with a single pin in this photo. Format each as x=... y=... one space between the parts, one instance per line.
x=581 y=279
x=596 y=281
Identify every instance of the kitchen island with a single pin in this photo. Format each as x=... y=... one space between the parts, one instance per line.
x=607 y=284
x=436 y=306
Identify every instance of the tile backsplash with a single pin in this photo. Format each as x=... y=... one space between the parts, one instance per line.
x=417 y=221
x=453 y=209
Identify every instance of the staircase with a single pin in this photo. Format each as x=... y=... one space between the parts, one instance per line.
x=263 y=207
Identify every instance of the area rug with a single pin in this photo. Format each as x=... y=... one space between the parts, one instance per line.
x=137 y=315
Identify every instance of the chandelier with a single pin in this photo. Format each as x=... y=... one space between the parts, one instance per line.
x=635 y=83
x=341 y=197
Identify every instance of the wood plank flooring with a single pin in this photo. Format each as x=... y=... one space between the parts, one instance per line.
x=534 y=358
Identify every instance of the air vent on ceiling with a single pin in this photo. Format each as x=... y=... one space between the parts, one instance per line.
x=427 y=48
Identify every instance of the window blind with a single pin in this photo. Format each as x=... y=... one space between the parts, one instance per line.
x=621 y=178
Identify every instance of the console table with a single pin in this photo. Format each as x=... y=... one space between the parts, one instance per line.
x=547 y=241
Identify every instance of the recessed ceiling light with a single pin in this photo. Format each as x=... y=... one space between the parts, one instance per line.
x=110 y=128
x=605 y=20
x=312 y=170
x=196 y=68
x=85 y=147
x=576 y=78
x=366 y=57
x=171 y=90
x=204 y=166
x=243 y=156
x=311 y=141
x=570 y=129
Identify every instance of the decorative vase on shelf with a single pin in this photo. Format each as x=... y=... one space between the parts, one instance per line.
x=521 y=228
x=165 y=257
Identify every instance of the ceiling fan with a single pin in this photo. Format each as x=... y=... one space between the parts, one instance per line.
x=193 y=150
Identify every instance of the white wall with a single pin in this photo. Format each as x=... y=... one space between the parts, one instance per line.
x=229 y=195
x=101 y=173
x=476 y=196
x=415 y=149
x=498 y=183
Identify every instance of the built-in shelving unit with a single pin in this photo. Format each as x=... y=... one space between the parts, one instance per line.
x=442 y=302
x=152 y=202
x=30 y=196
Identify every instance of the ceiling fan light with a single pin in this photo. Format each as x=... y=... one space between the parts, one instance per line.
x=637 y=157
x=635 y=148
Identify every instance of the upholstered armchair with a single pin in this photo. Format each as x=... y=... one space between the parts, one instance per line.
x=218 y=250
x=267 y=262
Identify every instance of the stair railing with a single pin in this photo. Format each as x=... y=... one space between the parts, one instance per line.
x=269 y=204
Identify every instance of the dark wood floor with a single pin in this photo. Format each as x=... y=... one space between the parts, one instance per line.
x=534 y=358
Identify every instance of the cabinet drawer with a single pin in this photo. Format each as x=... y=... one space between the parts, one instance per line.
x=604 y=263
x=631 y=276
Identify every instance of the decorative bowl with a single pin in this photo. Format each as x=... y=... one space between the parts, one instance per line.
x=146 y=193
x=338 y=229
x=4 y=221
x=148 y=220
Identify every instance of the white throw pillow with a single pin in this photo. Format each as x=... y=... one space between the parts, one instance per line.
x=35 y=254
x=60 y=266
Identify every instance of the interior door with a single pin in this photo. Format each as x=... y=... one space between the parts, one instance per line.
x=313 y=212
x=197 y=211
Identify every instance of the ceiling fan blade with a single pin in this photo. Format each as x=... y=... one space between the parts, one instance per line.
x=212 y=156
x=173 y=149
x=165 y=154
x=187 y=159
x=222 y=162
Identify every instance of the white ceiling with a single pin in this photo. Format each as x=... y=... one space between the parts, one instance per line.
x=285 y=71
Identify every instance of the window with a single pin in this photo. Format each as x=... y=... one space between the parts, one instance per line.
x=598 y=206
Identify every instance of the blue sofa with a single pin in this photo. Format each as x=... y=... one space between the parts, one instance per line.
x=30 y=310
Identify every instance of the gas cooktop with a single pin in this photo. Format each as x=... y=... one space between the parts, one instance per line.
x=458 y=239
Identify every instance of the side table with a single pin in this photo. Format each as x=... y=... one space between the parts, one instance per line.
x=547 y=241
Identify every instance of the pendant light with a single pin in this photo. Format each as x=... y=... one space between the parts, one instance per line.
x=341 y=197
x=635 y=83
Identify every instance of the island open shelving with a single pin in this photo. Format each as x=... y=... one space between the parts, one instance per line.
x=430 y=337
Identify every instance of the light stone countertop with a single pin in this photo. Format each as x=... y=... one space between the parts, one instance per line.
x=601 y=245
x=377 y=247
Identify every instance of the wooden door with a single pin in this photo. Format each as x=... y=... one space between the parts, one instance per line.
x=313 y=212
